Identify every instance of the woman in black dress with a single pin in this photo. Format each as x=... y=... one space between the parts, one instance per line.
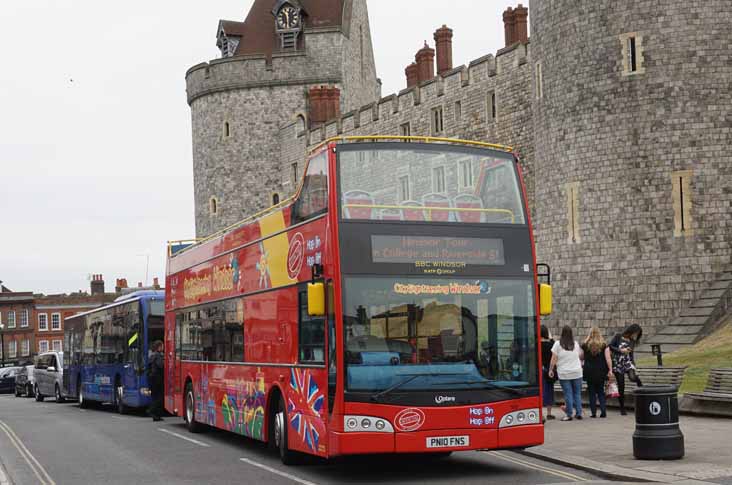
x=597 y=370
x=621 y=347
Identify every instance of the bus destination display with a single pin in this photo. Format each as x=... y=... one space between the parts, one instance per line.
x=437 y=255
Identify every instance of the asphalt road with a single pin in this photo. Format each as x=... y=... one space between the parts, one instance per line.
x=51 y=443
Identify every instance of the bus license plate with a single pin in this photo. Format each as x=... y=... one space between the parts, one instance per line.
x=448 y=441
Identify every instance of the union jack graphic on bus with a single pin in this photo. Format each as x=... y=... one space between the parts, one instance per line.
x=304 y=403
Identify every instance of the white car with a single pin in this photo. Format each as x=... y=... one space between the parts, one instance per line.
x=49 y=375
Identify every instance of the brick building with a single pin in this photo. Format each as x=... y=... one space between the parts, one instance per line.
x=16 y=310
x=620 y=117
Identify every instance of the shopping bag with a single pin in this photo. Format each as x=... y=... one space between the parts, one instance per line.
x=611 y=389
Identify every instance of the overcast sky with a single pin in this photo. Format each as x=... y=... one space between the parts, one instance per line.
x=95 y=138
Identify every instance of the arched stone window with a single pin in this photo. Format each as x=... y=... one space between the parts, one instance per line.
x=213 y=206
x=275 y=198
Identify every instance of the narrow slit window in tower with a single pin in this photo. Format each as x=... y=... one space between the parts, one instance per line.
x=404 y=129
x=294 y=175
x=227 y=129
x=632 y=59
x=681 y=185
x=437 y=120
x=458 y=111
x=213 y=206
x=492 y=110
x=573 y=234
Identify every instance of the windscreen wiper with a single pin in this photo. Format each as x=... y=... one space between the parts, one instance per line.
x=410 y=378
x=490 y=385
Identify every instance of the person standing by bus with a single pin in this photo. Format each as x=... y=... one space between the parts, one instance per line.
x=547 y=391
x=156 y=366
x=567 y=359
x=597 y=370
x=622 y=347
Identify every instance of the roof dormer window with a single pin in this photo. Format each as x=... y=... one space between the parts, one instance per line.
x=227 y=44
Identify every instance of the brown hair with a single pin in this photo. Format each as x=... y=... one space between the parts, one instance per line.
x=567 y=339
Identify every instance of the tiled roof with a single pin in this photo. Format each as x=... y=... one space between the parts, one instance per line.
x=258 y=30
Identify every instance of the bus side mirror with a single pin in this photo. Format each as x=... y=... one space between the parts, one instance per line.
x=545 y=299
x=316 y=299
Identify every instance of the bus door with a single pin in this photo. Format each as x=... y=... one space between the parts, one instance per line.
x=173 y=385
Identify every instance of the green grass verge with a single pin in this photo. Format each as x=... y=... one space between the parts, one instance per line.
x=714 y=351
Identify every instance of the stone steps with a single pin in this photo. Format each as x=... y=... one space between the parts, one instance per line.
x=697 y=320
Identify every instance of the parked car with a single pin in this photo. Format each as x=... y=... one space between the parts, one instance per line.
x=24 y=382
x=49 y=375
x=7 y=378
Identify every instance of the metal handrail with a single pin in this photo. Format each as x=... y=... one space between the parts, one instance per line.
x=431 y=208
x=426 y=139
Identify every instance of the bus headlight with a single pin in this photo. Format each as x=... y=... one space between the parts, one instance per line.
x=518 y=418
x=145 y=391
x=371 y=424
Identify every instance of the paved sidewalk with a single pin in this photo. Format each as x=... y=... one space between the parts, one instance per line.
x=606 y=446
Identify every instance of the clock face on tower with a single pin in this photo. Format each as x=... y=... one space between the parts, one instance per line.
x=288 y=18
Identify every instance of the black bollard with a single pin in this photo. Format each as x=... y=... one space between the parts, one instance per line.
x=657 y=435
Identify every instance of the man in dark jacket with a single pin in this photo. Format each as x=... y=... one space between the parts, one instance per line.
x=155 y=374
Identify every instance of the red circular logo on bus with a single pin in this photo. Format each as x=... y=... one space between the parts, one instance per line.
x=295 y=256
x=409 y=419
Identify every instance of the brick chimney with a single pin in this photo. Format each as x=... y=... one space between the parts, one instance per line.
x=412 y=75
x=139 y=284
x=97 y=285
x=425 y=63
x=316 y=105
x=156 y=284
x=509 y=26
x=325 y=104
x=120 y=285
x=332 y=103
x=443 y=43
x=521 y=24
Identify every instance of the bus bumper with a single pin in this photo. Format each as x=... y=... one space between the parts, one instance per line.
x=425 y=442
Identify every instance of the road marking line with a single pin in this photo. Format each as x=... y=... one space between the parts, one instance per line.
x=31 y=460
x=534 y=466
x=4 y=480
x=199 y=443
x=277 y=472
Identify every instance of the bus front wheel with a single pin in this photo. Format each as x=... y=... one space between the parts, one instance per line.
x=119 y=393
x=287 y=456
x=190 y=411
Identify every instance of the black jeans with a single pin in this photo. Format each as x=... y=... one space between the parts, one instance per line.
x=156 y=406
x=620 y=378
x=596 y=392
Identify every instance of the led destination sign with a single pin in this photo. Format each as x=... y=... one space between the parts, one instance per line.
x=445 y=254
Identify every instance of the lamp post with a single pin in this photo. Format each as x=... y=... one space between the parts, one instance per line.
x=2 y=345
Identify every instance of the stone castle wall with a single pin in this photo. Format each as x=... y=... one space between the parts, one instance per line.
x=616 y=139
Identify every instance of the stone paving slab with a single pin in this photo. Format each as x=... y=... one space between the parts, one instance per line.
x=605 y=447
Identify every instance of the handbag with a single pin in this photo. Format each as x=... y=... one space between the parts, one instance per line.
x=611 y=389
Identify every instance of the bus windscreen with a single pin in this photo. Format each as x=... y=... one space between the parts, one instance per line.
x=420 y=185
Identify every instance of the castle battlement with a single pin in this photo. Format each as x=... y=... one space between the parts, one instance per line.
x=257 y=70
x=464 y=83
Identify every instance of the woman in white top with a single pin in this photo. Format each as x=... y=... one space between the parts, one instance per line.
x=567 y=359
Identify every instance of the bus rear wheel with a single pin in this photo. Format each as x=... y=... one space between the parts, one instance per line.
x=83 y=403
x=280 y=433
x=189 y=413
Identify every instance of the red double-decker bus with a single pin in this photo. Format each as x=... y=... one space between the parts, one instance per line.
x=391 y=306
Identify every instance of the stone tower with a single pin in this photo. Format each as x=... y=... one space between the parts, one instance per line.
x=268 y=65
x=633 y=172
